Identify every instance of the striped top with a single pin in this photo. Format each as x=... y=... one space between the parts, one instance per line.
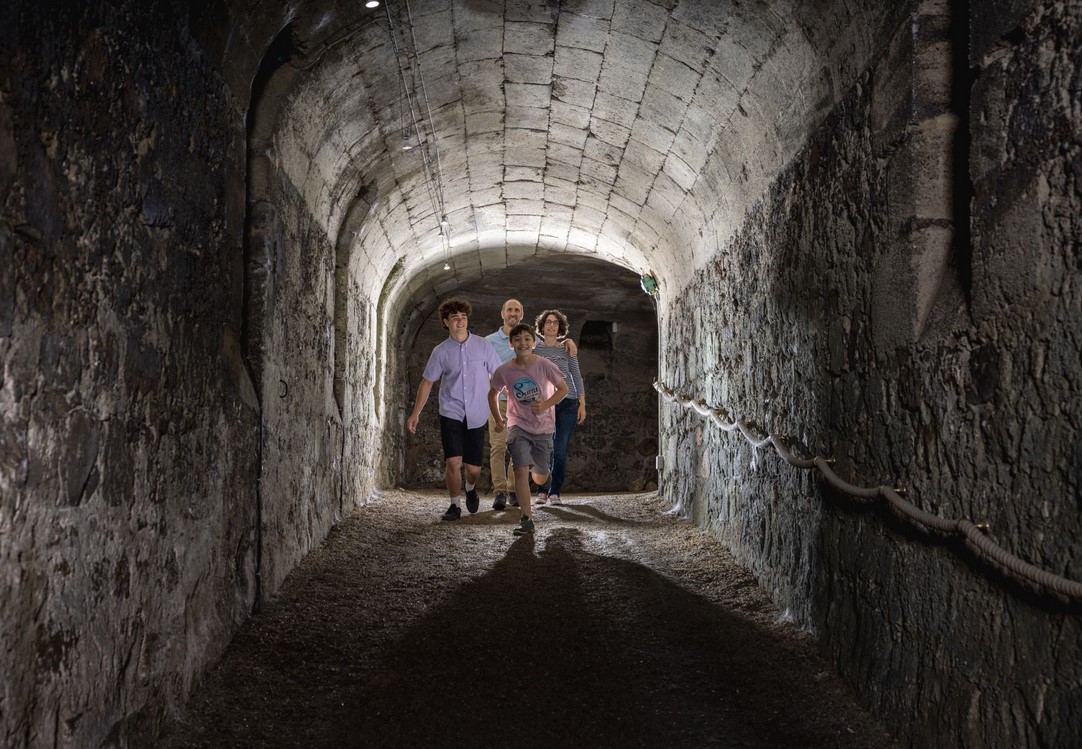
x=569 y=366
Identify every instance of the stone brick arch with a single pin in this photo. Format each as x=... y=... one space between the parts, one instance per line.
x=606 y=454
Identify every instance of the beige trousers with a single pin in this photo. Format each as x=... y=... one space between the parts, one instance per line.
x=503 y=480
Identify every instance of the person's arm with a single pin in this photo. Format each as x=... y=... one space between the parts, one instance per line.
x=540 y=406
x=580 y=387
x=494 y=409
x=423 y=391
x=494 y=360
x=572 y=349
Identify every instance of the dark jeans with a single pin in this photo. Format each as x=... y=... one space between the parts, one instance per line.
x=567 y=415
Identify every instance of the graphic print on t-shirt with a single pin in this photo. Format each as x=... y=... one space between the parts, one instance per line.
x=526 y=390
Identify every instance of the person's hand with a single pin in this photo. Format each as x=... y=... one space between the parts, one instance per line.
x=499 y=424
x=411 y=423
x=582 y=412
x=572 y=349
x=539 y=407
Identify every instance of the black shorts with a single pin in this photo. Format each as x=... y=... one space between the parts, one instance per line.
x=458 y=441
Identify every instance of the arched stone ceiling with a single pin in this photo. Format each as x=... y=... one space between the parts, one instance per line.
x=638 y=132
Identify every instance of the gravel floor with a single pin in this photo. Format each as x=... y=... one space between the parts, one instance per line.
x=616 y=625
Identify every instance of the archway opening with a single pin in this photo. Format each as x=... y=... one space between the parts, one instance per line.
x=614 y=449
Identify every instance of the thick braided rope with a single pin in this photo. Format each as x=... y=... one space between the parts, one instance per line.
x=976 y=539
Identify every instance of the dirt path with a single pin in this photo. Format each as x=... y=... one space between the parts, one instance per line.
x=615 y=626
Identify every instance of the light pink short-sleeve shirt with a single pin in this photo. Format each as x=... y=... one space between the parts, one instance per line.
x=524 y=386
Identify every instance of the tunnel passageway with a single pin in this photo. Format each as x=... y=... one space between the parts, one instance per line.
x=615 y=625
x=224 y=229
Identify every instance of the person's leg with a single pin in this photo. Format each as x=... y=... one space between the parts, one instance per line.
x=452 y=472
x=473 y=449
x=518 y=442
x=567 y=412
x=539 y=478
x=452 y=434
x=508 y=465
x=522 y=486
x=522 y=481
x=473 y=473
x=497 y=454
x=544 y=489
x=541 y=457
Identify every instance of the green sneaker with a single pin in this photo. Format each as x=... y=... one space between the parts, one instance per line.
x=525 y=525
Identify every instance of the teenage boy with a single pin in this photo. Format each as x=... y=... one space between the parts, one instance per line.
x=511 y=313
x=533 y=386
x=462 y=364
x=502 y=484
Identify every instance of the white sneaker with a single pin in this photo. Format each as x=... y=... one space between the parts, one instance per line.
x=554 y=499
x=541 y=498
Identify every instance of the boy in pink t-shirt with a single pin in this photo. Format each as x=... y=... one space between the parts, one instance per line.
x=533 y=385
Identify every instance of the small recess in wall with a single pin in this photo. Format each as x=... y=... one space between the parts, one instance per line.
x=596 y=335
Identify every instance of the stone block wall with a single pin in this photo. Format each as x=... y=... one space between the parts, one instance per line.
x=170 y=445
x=975 y=410
x=128 y=424
x=364 y=408
x=301 y=490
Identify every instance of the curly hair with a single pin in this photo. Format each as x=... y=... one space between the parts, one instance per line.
x=453 y=305
x=539 y=323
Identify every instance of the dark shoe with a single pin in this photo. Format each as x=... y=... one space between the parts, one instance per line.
x=525 y=525
x=501 y=501
x=454 y=512
x=472 y=500
x=512 y=500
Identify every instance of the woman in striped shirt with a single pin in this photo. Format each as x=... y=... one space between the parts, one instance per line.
x=551 y=326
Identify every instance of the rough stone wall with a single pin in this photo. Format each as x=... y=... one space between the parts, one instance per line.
x=364 y=469
x=613 y=450
x=360 y=380
x=977 y=415
x=301 y=486
x=128 y=426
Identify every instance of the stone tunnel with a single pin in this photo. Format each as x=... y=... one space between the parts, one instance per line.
x=227 y=226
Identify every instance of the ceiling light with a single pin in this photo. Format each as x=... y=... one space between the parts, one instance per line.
x=372 y=4
x=447 y=266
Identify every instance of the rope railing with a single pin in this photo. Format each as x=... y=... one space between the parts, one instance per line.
x=975 y=535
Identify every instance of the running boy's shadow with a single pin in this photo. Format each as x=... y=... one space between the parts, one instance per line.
x=557 y=647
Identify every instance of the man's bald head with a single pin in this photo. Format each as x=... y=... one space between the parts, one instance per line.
x=512 y=313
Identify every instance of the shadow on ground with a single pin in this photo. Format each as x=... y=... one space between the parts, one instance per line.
x=563 y=639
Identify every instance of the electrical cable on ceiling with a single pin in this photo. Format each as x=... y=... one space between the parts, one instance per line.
x=431 y=121
x=433 y=177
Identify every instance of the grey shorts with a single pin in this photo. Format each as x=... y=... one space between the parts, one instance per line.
x=530 y=449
